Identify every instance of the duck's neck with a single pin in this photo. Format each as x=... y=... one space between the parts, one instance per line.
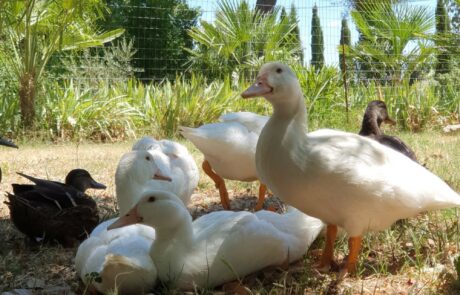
x=171 y=247
x=125 y=191
x=294 y=110
x=370 y=126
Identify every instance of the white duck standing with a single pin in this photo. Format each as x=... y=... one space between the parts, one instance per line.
x=344 y=179
x=221 y=246
x=229 y=150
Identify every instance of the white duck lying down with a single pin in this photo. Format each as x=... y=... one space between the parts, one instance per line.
x=229 y=149
x=344 y=179
x=221 y=246
x=120 y=258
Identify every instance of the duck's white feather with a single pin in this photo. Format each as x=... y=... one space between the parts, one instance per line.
x=229 y=146
x=136 y=172
x=182 y=166
x=120 y=257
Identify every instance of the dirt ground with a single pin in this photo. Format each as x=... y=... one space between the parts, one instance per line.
x=49 y=269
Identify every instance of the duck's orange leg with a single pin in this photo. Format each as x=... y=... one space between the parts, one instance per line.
x=354 y=247
x=220 y=184
x=261 y=200
x=328 y=253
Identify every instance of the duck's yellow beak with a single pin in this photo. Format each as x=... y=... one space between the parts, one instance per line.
x=260 y=88
x=132 y=217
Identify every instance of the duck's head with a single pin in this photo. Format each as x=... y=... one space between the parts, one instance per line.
x=159 y=209
x=6 y=142
x=140 y=166
x=82 y=180
x=276 y=82
x=145 y=143
x=377 y=110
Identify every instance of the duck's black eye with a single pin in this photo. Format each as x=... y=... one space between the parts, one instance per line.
x=147 y=158
x=279 y=70
x=152 y=199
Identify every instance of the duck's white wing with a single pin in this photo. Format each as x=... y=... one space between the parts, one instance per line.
x=339 y=176
x=299 y=229
x=122 y=252
x=235 y=244
x=253 y=122
x=368 y=163
x=229 y=147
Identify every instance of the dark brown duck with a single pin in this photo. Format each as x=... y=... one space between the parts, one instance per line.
x=49 y=210
x=376 y=113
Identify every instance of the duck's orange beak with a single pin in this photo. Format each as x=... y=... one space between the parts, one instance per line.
x=260 y=88
x=132 y=217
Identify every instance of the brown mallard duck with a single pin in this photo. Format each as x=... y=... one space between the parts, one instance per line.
x=376 y=113
x=49 y=210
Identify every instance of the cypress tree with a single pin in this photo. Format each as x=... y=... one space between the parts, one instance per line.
x=345 y=39
x=296 y=32
x=442 y=29
x=317 y=41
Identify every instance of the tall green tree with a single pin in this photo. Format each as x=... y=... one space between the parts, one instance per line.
x=442 y=31
x=37 y=29
x=345 y=43
x=295 y=34
x=293 y=19
x=159 y=31
x=317 y=40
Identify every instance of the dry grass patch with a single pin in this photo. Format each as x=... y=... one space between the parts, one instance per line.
x=412 y=257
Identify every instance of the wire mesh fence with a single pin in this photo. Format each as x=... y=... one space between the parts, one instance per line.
x=127 y=52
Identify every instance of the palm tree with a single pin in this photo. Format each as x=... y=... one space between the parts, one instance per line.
x=241 y=38
x=394 y=39
x=36 y=29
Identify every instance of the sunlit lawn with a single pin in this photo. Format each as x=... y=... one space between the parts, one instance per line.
x=414 y=256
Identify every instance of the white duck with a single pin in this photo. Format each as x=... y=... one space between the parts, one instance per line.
x=229 y=150
x=344 y=179
x=139 y=169
x=120 y=258
x=221 y=246
x=182 y=167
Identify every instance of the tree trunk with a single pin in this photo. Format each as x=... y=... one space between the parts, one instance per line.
x=27 y=98
x=265 y=6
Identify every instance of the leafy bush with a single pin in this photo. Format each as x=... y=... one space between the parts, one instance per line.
x=93 y=65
